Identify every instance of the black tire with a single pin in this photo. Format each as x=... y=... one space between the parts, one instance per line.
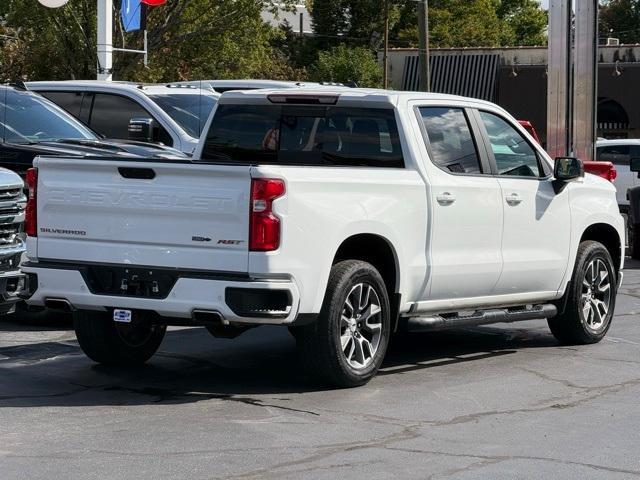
x=320 y=342
x=109 y=343
x=633 y=238
x=573 y=327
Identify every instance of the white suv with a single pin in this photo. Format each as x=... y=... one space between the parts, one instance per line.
x=344 y=215
x=176 y=113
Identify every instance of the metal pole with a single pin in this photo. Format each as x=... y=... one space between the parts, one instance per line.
x=559 y=79
x=423 y=44
x=146 y=48
x=385 y=60
x=585 y=82
x=105 y=40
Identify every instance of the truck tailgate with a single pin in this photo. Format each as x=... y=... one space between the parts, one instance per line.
x=173 y=214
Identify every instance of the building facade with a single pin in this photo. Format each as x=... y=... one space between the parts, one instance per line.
x=516 y=79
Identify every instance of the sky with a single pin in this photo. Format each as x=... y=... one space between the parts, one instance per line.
x=545 y=3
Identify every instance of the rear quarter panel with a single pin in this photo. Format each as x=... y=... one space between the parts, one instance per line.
x=323 y=207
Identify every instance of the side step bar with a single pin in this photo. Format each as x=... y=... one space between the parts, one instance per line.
x=479 y=317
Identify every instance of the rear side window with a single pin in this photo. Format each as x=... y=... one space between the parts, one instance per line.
x=309 y=135
x=452 y=146
x=70 y=101
x=618 y=155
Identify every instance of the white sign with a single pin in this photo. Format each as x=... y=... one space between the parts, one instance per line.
x=53 y=3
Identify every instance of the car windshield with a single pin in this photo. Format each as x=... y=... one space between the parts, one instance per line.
x=26 y=118
x=190 y=111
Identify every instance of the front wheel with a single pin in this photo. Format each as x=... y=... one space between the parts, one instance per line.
x=591 y=298
x=112 y=343
x=346 y=345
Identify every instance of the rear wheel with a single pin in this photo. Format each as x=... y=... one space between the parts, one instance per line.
x=591 y=297
x=113 y=343
x=347 y=343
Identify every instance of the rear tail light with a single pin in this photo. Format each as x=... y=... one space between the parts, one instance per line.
x=264 y=229
x=613 y=174
x=31 y=211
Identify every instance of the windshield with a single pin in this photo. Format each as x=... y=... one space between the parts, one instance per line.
x=29 y=118
x=190 y=111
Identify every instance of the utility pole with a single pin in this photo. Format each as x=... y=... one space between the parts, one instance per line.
x=423 y=44
x=385 y=61
x=105 y=40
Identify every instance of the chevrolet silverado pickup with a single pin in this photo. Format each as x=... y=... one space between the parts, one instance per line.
x=342 y=214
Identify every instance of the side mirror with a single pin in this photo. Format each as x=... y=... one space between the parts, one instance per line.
x=635 y=165
x=141 y=129
x=567 y=169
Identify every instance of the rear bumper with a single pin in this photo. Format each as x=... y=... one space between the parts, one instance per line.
x=187 y=296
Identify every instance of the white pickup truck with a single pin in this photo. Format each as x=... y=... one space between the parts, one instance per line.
x=343 y=214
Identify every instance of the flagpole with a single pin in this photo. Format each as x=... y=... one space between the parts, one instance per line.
x=105 y=40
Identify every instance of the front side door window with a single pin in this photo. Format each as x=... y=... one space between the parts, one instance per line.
x=514 y=156
x=536 y=234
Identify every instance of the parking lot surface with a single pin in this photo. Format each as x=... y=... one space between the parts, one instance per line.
x=493 y=402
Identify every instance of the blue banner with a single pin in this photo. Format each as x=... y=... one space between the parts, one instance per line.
x=131 y=13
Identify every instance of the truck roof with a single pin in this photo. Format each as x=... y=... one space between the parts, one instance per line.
x=345 y=94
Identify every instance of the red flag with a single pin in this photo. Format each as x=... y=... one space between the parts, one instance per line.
x=153 y=3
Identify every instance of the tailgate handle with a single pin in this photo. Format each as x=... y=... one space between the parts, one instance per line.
x=137 y=173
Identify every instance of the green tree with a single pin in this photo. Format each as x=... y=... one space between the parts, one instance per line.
x=453 y=23
x=344 y=64
x=187 y=39
x=523 y=22
x=328 y=19
x=621 y=19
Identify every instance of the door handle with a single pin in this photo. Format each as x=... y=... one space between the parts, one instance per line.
x=513 y=199
x=445 y=198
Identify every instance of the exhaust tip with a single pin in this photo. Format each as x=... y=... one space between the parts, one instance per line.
x=208 y=317
x=58 y=304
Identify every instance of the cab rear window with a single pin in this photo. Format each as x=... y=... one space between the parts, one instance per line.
x=304 y=135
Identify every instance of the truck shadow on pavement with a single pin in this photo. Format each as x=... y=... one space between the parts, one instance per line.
x=191 y=366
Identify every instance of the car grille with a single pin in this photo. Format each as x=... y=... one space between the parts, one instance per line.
x=12 y=205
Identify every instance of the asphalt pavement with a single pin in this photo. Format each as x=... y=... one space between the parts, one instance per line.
x=497 y=402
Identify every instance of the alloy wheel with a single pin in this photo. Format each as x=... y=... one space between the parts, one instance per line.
x=596 y=294
x=361 y=326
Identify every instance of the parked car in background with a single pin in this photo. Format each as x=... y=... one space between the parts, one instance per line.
x=528 y=126
x=31 y=125
x=12 y=239
x=222 y=86
x=173 y=115
x=343 y=214
x=620 y=153
x=602 y=169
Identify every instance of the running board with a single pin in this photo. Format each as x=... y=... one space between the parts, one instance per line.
x=479 y=317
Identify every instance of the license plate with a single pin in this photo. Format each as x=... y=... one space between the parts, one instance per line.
x=122 y=316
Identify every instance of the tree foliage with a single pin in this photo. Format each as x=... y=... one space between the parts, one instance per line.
x=345 y=65
x=187 y=39
x=621 y=19
x=523 y=22
x=228 y=39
